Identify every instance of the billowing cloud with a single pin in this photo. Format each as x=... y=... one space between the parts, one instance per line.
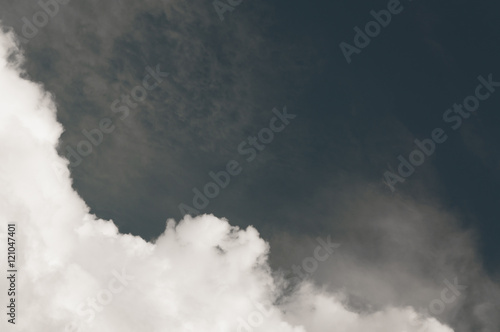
x=78 y=273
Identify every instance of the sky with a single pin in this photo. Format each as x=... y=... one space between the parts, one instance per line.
x=251 y=166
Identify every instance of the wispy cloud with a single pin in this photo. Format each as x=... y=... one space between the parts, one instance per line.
x=68 y=253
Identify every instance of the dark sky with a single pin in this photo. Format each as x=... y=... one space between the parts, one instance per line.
x=321 y=174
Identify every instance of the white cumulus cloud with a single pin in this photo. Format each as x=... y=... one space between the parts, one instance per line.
x=78 y=273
